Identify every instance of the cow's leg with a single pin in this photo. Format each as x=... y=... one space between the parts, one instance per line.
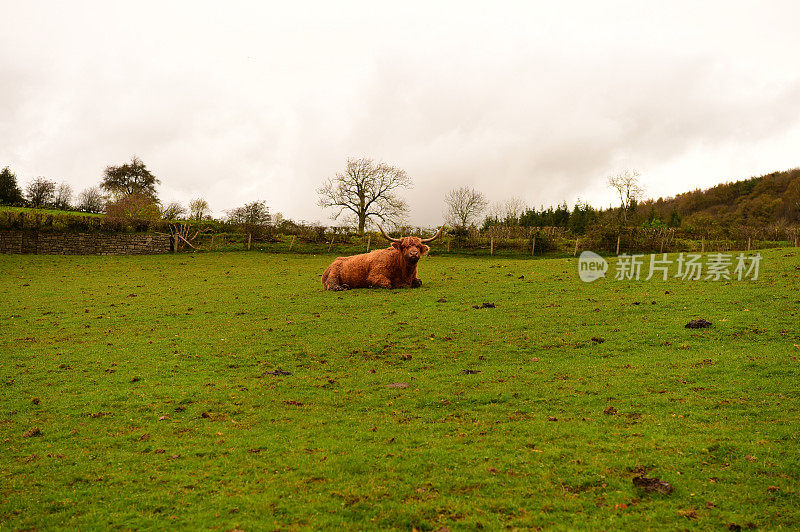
x=378 y=281
x=416 y=283
x=332 y=280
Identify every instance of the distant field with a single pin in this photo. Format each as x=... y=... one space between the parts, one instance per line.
x=146 y=392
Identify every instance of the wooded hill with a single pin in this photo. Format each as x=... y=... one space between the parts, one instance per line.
x=768 y=200
x=767 y=203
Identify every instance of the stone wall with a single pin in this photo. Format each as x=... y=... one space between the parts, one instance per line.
x=60 y=243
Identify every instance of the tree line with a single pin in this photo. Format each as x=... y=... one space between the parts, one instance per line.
x=125 y=191
x=369 y=191
x=765 y=204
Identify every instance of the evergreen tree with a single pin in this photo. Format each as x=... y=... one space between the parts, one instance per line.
x=10 y=193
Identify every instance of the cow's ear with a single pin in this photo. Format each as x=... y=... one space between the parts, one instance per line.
x=398 y=246
x=425 y=249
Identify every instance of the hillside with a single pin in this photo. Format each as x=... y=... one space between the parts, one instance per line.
x=772 y=199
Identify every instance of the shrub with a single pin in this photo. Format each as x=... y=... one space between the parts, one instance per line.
x=137 y=206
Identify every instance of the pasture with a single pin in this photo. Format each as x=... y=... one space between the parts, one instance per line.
x=228 y=391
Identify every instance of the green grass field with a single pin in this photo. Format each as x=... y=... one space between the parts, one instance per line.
x=137 y=393
x=32 y=211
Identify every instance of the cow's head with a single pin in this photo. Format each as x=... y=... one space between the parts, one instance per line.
x=412 y=247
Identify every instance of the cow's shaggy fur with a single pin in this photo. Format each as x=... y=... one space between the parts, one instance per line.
x=393 y=267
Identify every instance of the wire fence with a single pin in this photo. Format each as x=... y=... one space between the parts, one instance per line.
x=498 y=240
x=544 y=243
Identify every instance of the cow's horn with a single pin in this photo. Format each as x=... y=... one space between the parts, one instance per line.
x=387 y=237
x=434 y=237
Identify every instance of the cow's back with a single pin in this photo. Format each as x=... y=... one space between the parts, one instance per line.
x=354 y=271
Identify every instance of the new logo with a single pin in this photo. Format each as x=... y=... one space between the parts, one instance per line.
x=591 y=266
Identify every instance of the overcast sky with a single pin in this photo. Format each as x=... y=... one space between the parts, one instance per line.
x=236 y=101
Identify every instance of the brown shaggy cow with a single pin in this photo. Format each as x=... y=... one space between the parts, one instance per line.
x=393 y=267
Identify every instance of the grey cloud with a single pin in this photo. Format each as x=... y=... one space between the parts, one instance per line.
x=542 y=106
x=548 y=138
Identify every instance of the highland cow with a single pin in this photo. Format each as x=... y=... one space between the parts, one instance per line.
x=393 y=267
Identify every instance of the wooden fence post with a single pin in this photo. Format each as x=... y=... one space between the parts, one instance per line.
x=491 y=246
x=618 y=239
x=703 y=244
x=249 y=238
x=448 y=244
x=291 y=243
x=575 y=254
x=748 y=243
x=533 y=246
x=369 y=241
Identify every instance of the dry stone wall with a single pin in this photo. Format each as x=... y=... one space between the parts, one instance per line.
x=62 y=243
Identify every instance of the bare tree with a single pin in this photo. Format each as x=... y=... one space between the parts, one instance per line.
x=199 y=209
x=509 y=211
x=366 y=189
x=40 y=192
x=63 y=197
x=628 y=188
x=173 y=211
x=91 y=200
x=464 y=205
x=512 y=209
